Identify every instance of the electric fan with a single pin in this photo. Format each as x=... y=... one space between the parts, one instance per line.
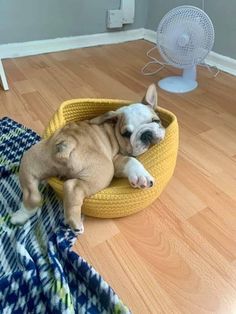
x=185 y=36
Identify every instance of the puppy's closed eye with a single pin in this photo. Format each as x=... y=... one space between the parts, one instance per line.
x=127 y=134
x=156 y=121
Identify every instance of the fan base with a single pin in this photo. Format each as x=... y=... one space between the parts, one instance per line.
x=177 y=84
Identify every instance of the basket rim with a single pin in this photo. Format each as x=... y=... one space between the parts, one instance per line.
x=47 y=133
x=108 y=101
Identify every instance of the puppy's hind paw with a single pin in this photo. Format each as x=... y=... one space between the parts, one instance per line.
x=77 y=227
x=22 y=215
x=80 y=230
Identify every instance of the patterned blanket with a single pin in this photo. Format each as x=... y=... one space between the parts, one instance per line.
x=39 y=272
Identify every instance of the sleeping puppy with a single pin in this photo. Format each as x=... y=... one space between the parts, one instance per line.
x=88 y=154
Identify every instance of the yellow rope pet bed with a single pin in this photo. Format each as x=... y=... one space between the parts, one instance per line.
x=120 y=199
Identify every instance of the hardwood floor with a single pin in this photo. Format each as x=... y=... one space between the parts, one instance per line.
x=178 y=255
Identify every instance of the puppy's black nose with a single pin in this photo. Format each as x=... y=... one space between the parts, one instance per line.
x=146 y=137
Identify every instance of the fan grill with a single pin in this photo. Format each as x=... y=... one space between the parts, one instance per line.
x=185 y=36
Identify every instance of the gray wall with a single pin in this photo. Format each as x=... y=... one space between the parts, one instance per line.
x=158 y=8
x=221 y=12
x=223 y=15
x=26 y=20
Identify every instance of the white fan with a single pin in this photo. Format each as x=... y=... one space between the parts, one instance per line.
x=185 y=36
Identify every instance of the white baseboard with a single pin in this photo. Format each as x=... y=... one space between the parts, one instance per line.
x=150 y=35
x=59 y=44
x=223 y=63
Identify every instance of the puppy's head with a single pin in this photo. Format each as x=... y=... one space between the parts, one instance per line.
x=137 y=126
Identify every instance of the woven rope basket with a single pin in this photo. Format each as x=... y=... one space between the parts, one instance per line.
x=120 y=199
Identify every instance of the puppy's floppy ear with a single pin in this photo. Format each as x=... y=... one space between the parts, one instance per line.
x=150 y=98
x=111 y=116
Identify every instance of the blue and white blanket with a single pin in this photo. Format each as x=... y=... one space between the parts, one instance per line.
x=39 y=272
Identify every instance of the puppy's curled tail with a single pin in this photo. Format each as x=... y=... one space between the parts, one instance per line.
x=62 y=150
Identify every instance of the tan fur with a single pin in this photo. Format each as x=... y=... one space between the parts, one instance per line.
x=86 y=155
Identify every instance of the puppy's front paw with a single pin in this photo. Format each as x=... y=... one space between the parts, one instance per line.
x=141 y=179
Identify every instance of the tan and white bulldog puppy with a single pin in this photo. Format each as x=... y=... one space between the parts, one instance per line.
x=88 y=154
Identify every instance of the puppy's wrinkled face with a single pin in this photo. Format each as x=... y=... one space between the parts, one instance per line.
x=137 y=126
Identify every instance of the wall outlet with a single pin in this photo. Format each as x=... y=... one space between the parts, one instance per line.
x=114 y=19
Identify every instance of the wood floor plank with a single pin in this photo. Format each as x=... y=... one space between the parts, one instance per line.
x=217 y=233
x=139 y=290
x=206 y=157
x=99 y=231
x=14 y=74
x=189 y=205
x=226 y=182
x=23 y=87
x=223 y=138
x=182 y=273
x=228 y=119
x=199 y=183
